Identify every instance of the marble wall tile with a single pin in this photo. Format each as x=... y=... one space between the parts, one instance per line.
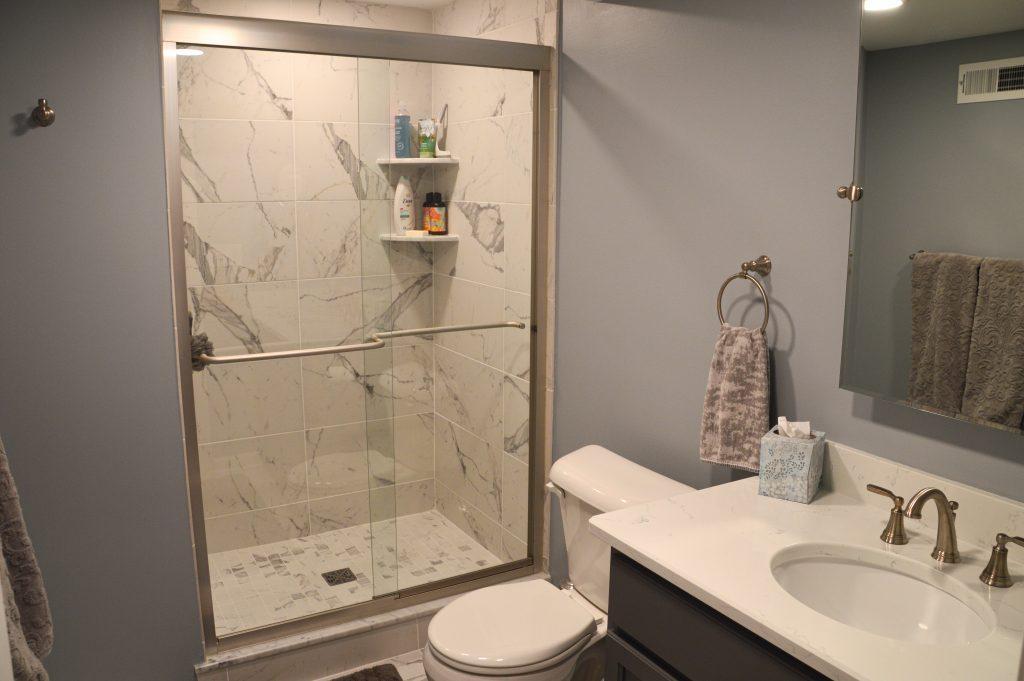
x=518 y=222
x=333 y=389
x=367 y=15
x=327 y=164
x=326 y=88
x=374 y=86
x=234 y=243
x=515 y=495
x=512 y=548
x=336 y=460
x=471 y=92
x=406 y=447
x=224 y=160
x=396 y=303
x=478 y=17
x=516 y=353
x=337 y=513
x=469 y=467
x=383 y=511
x=259 y=317
x=518 y=158
x=252 y=528
x=464 y=302
x=480 y=146
x=468 y=393
x=331 y=311
x=251 y=474
x=374 y=219
x=480 y=254
x=375 y=142
x=261 y=9
x=233 y=83
x=247 y=399
x=328 y=236
x=469 y=519
x=409 y=83
x=400 y=381
x=516 y=418
x=414 y=497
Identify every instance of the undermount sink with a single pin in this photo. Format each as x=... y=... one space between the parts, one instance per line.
x=883 y=593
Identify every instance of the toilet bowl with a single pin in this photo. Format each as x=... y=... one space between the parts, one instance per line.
x=531 y=630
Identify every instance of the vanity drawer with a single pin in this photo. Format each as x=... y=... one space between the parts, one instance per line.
x=688 y=636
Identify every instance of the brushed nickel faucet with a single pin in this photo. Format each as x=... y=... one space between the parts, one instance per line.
x=996 y=572
x=893 y=532
x=945 y=550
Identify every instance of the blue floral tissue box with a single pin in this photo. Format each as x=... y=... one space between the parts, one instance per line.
x=791 y=466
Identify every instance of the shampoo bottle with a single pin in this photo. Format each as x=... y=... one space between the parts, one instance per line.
x=403 y=209
x=403 y=133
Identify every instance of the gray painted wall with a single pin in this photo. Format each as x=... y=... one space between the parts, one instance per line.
x=940 y=176
x=697 y=134
x=88 y=406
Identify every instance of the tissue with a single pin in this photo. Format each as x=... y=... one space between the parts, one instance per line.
x=800 y=429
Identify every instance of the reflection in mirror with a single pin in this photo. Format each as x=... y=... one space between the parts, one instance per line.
x=935 y=298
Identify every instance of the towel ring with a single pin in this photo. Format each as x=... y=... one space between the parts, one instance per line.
x=762 y=265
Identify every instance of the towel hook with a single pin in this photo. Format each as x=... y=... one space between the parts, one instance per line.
x=43 y=114
x=762 y=266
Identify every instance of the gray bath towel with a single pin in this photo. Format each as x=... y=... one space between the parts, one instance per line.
x=736 y=403
x=29 y=625
x=994 y=389
x=943 y=290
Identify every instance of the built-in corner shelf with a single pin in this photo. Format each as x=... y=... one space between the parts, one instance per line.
x=452 y=161
x=421 y=238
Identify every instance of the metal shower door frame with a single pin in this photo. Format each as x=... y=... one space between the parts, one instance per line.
x=287 y=36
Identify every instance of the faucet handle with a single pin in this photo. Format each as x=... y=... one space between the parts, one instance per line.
x=893 y=532
x=996 y=573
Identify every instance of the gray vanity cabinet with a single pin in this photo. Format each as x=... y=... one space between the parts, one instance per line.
x=658 y=632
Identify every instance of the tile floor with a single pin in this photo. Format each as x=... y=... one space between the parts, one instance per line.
x=271 y=583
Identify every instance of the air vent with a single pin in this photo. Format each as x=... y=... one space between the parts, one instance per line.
x=990 y=81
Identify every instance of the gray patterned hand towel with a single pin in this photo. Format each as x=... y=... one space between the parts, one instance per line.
x=736 y=403
x=29 y=625
x=943 y=290
x=994 y=390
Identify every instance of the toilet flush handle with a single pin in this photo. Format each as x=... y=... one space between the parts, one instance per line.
x=555 y=490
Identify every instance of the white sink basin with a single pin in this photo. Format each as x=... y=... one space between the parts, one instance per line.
x=883 y=593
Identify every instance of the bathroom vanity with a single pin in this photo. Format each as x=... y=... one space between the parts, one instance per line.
x=726 y=584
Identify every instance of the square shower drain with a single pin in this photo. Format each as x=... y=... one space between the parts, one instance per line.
x=336 y=577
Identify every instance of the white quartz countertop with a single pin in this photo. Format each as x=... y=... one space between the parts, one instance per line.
x=717 y=544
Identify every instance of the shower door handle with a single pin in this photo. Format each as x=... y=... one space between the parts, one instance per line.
x=374 y=342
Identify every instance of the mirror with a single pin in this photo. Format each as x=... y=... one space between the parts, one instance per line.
x=940 y=157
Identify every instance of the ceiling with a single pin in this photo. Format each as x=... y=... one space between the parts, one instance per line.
x=919 y=22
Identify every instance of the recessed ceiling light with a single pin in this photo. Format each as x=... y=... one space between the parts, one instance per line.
x=881 y=5
x=190 y=51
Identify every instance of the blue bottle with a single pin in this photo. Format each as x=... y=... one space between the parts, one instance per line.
x=403 y=133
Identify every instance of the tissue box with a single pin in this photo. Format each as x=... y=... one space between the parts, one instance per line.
x=790 y=466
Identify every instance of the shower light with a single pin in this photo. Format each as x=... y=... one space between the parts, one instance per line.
x=188 y=51
x=881 y=5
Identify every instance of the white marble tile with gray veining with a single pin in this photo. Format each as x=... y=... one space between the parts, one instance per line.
x=327 y=165
x=406 y=446
x=517 y=220
x=251 y=474
x=480 y=254
x=409 y=83
x=516 y=353
x=231 y=243
x=478 y=17
x=331 y=311
x=252 y=528
x=414 y=497
x=515 y=495
x=224 y=160
x=326 y=88
x=259 y=9
x=233 y=83
x=247 y=399
x=253 y=318
x=469 y=467
x=328 y=239
x=516 y=417
x=399 y=381
x=336 y=460
x=336 y=513
x=512 y=548
x=333 y=389
x=457 y=301
x=480 y=146
x=469 y=394
x=397 y=303
x=469 y=519
x=518 y=159
x=367 y=15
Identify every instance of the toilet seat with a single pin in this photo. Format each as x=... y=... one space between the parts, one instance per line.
x=510 y=630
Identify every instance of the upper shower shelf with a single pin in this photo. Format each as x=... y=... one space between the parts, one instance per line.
x=452 y=161
x=442 y=238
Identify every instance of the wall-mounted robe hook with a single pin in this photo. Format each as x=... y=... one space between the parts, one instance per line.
x=43 y=114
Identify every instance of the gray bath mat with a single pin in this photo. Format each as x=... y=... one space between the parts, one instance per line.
x=382 y=672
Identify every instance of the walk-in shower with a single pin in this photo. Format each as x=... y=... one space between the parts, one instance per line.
x=365 y=431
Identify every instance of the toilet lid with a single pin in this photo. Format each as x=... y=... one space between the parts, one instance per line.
x=511 y=625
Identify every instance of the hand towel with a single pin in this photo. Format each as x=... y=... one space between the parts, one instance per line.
x=736 y=403
x=994 y=390
x=943 y=290
x=29 y=625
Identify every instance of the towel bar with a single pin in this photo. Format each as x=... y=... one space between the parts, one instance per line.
x=372 y=343
x=762 y=266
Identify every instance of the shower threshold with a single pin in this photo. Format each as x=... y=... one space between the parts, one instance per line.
x=272 y=583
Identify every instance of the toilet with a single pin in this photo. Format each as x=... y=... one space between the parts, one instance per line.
x=532 y=630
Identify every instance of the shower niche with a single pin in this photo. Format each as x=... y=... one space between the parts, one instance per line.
x=330 y=478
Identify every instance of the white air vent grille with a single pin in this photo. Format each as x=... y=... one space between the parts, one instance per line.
x=989 y=81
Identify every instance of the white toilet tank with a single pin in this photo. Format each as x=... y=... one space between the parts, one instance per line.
x=595 y=481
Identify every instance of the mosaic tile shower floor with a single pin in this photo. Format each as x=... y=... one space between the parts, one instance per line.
x=271 y=583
